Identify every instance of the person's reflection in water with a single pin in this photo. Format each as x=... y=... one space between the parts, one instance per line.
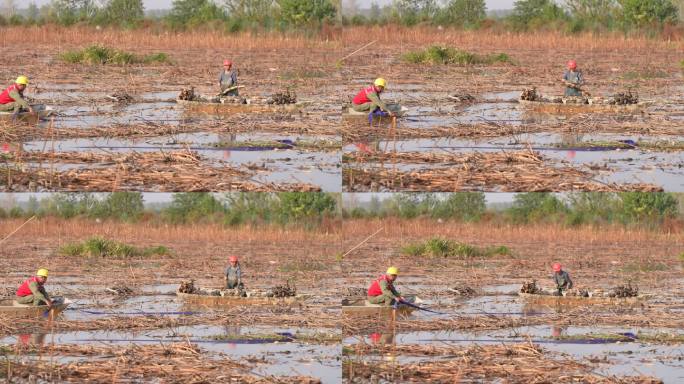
x=29 y=340
x=557 y=331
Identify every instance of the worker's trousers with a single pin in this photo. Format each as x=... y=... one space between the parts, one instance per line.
x=384 y=299
x=30 y=299
x=10 y=107
x=365 y=107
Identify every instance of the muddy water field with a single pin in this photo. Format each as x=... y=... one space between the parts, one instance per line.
x=484 y=332
x=147 y=141
x=464 y=128
x=126 y=323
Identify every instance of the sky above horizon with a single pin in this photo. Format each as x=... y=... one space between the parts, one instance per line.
x=163 y=4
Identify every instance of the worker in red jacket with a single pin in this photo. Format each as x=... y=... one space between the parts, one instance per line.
x=12 y=98
x=368 y=99
x=382 y=291
x=32 y=291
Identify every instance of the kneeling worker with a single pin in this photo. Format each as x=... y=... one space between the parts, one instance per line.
x=233 y=274
x=32 y=291
x=382 y=290
x=368 y=99
x=561 y=278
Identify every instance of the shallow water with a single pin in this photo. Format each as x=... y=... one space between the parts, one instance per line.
x=665 y=169
x=282 y=165
x=283 y=358
x=624 y=358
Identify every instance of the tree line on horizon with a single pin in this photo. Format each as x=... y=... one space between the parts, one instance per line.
x=570 y=16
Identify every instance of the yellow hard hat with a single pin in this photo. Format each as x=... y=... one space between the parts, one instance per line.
x=380 y=82
x=392 y=271
x=22 y=80
x=42 y=272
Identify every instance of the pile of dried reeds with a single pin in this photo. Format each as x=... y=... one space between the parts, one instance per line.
x=513 y=171
x=625 y=290
x=530 y=94
x=520 y=363
x=284 y=97
x=187 y=94
x=187 y=287
x=175 y=363
x=530 y=287
x=624 y=98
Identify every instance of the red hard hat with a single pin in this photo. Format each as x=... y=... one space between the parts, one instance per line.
x=227 y=62
x=556 y=267
x=232 y=258
x=572 y=64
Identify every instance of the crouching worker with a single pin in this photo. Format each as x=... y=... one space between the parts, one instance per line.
x=32 y=291
x=561 y=278
x=233 y=274
x=12 y=98
x=368 y=99
x=382 y=290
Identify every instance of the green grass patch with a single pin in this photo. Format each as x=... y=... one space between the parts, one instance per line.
x=645 y=267
x=99 y=54
x=655 y=338
x=596 y=144
x=318 y=338
x=440 y=247
x=664 y=145
x=105 y=248
x=645 y=75
x=450 y=56
x=661 y=338
x=252 y=144
x=611 y=337
x=303 y=74
x=303 y=266
x=266 y=337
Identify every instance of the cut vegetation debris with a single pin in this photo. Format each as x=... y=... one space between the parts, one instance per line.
x=440 y=247
x=451 y=56
x=105 y=248
x=99 y=54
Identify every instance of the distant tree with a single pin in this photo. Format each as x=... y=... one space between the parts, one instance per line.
x=595 y=11
x=124 y=12
x=250 y=10
x=535 y=12
x=191 y=207
x=414 y=11
x=464 y=206
x=464 y=13
x=536 y=206
x=640 y=206
x=642 y=13
x=67 y=12
x=306 y=12
x=32 y=13
x=295 y=206
x=192 y=13
x=126 y=206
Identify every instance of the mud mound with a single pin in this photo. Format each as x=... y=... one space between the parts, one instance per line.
x=281 y=98
x=187 y=287
x=356 y=291
x=530 y=94
x=530 y=287
x=461 y=97
x=625 y=291
x=284 y=290
x=188 y=94
x=462 y=291
x=624 y=98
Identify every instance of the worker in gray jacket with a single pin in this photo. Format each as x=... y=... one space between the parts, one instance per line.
x=561 y=278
